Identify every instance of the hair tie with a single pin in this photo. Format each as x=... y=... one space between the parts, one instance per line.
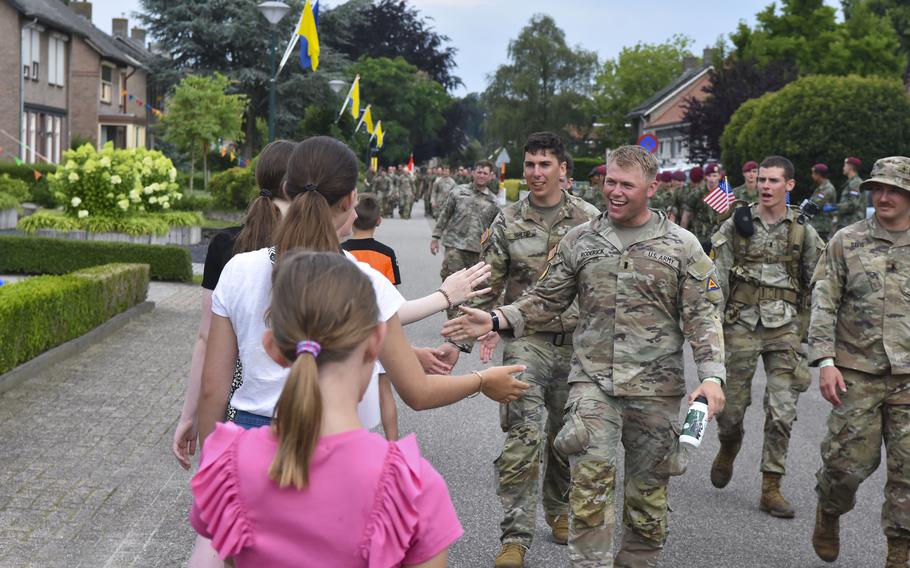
x=308 y=346
x=265 y=193
x=311 y=187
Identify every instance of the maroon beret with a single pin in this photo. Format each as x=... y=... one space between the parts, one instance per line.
x=600 y=170
x=666 y=177
x=855 y=162
x=711 y=168
x=696 y=174
x=820 y=169
x=750 y=165
x=679 y=175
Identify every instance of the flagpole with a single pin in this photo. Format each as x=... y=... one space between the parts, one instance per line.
x=295 y=37
x=346 y=97
x=362 y=116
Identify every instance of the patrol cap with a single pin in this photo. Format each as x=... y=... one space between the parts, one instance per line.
x=678 y=175
x=600 y=170
x=820 y=169
x=855 y=162
x=893 y=171
x=749 y=166
x=711 y=168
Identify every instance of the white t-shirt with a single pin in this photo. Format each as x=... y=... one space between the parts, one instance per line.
x=243 y=295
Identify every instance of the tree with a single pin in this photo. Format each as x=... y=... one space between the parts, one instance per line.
x=199 y=113
x=545 y=86
x=731 y=84
x=636 y=74
x=822 y=119
x=898 y=12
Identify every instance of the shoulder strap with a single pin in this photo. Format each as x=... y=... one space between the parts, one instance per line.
x=797 y=235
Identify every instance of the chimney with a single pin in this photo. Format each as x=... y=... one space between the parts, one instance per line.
x=138 y=35
x=120 y=27
x=84 y=9
x=689 y=63
x=707 y=56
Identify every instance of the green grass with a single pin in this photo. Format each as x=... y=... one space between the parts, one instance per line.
x=218 y=223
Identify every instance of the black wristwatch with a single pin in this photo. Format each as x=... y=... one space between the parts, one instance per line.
x=495 y=321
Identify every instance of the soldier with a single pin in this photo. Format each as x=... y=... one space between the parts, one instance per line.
x=467 y=212
x=595 y=192
x=407 y=188
x=825 y=196
x=441 y=188
x=520 y=239
x=860 y=340
x=382 y=186
x=664 y=199
x=426 y=191
x=697 y=216
x=765 y=258
x=748 y=191
x=566 y=181
x=643 y=285
x=852 y=205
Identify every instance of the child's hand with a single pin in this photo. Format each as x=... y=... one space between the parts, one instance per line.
x=433 y=361
x=460 y=286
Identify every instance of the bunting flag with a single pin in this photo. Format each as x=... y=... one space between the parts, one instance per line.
x=38 y=175
x=365 y=118
x=720 y=197
x=18 y=161
x=24 y=146
x=309 y=37
x=223 y=151
x=353 y=97
x=140 y=102
x=232 y=155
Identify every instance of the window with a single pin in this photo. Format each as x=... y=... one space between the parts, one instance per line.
x=42 y=134
x=31 y=52
x=56 y=60
x=107 y=87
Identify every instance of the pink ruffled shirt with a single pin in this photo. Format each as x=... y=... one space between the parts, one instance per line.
x=370 y=503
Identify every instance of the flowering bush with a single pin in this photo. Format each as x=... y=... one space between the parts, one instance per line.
x=114 y=182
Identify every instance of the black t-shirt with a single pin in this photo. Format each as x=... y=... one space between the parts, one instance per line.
x=221 y=250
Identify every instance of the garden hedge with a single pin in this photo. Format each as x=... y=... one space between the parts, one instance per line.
x=40 y=255
x=42 y=312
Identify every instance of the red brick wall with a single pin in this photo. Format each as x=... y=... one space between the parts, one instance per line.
x=10 y=58
x=672 y=111
x=84 y=91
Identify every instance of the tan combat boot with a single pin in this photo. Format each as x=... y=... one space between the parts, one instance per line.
x=722 y=468
x=560 y=526
x=898 y=548
x=826 y=536
x=511 y=555
x=772 y=502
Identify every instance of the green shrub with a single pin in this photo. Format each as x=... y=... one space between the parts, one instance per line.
x=583 y=167
x=26 y=172
x=40 y=313
x=39 y=255
x=14 y=187
x=822 y=119
x=147 y=224
x=7 y=201
x=42 y=195
x=195 y=201
x=233 y=188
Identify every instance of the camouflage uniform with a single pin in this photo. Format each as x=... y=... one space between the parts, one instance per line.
x=861 y=318
x=703 y=221
x=824 y=195
x=665 y=200
x=626 y=380
x=852 y=205
x=440 y=191
x=394 y=193
x=765 y=278
x=517 y=250
x=406 y=190
x=426 y=192
x=595 y=196
x=460 y=226
x=743 y=193
x=382 y=186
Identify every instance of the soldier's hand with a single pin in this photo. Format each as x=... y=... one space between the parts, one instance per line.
x=715 y=395
x=460 y=285
x=434 y=247
x=501 y=386
x=433 y=360
x=469 y=326
x=830 y=382
x=488 y=345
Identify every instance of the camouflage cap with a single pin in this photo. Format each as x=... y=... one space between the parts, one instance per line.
x=894 y=171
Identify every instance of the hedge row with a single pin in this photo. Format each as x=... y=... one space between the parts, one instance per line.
x=42 y=312
x=40 y=255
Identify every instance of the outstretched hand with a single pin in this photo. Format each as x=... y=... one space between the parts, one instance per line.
x=501 y=386
x=460 y=286
x=488 y=345
x=469 y=326
x=433 y=361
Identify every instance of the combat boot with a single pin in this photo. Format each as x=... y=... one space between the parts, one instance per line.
x=560 y=526
x=826 y=536
x=772 y=502
x=722 y=468
x=898 y=548
x=511 y=555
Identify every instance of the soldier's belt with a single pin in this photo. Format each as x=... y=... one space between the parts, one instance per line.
x=557 y=339
x=745 y=293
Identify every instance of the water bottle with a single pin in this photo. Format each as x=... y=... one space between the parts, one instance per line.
x=696 y=422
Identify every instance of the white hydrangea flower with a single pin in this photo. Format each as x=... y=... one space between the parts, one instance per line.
x=73 y=177
x=105 y=161
x=123 y=204
x=83 y=213
x=172 y=174
x=89 y=166
x=153 y=199
x=149 y=189
x=165 y=205
x=75 y=202
x=70 y=165
x=115 y=180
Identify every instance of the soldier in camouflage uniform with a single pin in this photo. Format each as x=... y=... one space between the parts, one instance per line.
x=426 y=190
x=748 y=191
x=440 y=190
x=643 y=286
x=852 y=205
x=765 y=278
x=698 y=217
x=595 y=195
x=860 y=339
x=382 y=187
x=407 y=188
x=468 y=211
x=825 y=196
x=665 y=198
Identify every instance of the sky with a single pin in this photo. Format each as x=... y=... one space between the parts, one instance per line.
x=481 y=29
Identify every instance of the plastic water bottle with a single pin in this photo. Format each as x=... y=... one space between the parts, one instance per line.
x=696 y=421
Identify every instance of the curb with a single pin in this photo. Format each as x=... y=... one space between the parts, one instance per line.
x=66 y=350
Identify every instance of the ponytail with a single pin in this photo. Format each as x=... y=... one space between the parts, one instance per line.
x=307 y=224
x=297 y=421
x=263 y=216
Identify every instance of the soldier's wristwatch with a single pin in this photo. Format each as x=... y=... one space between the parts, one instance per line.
x=495 y=321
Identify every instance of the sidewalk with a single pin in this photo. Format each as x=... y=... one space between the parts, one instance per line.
x=86 y=473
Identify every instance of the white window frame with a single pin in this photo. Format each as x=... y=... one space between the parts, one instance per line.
x=56 y=60
x=32 y=135
x=36 y=54
x=109 y=84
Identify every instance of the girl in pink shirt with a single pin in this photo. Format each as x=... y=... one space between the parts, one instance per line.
x=316 y=488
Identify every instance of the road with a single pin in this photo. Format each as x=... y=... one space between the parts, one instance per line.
x=87 y=479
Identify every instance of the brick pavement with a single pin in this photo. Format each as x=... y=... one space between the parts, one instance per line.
x=86 y=474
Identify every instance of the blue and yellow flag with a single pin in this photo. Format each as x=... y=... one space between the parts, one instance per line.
x=379 y=134
x=368 y=119
x=309 y=37
x=354 y=97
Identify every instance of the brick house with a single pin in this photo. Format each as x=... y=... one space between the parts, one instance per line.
x=63 y=80
x=663 y=113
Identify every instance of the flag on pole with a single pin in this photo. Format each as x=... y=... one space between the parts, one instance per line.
x=354 y=97
x=720 y=197
x=309 y=37
x=374 y=163
x=366 y=118
x=18 y=161
x=379 y=134
x=411 y=163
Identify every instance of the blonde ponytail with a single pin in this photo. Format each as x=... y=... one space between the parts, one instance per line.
x=297 y=421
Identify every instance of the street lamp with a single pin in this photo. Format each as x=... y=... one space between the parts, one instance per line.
x=274 y=12
x=336 y=85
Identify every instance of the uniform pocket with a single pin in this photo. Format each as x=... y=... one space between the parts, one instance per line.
x=573 y=437
x=906 y=288
x=678 y=460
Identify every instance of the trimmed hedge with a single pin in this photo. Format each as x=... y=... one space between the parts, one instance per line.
x=40 y=255
x=43 y=312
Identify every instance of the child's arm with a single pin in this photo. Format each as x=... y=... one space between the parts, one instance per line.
x=388 y=412
x=438 y=561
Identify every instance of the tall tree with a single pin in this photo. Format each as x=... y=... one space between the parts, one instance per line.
x=898 y=12
x=633 y=76
x=544 y=86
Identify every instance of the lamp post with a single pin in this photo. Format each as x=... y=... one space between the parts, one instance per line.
x=274 y=12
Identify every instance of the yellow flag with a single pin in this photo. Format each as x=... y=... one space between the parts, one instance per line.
x=368 y=119
x=374 y=163
x=355 y=97
x=379 y=134
x=309 y=38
